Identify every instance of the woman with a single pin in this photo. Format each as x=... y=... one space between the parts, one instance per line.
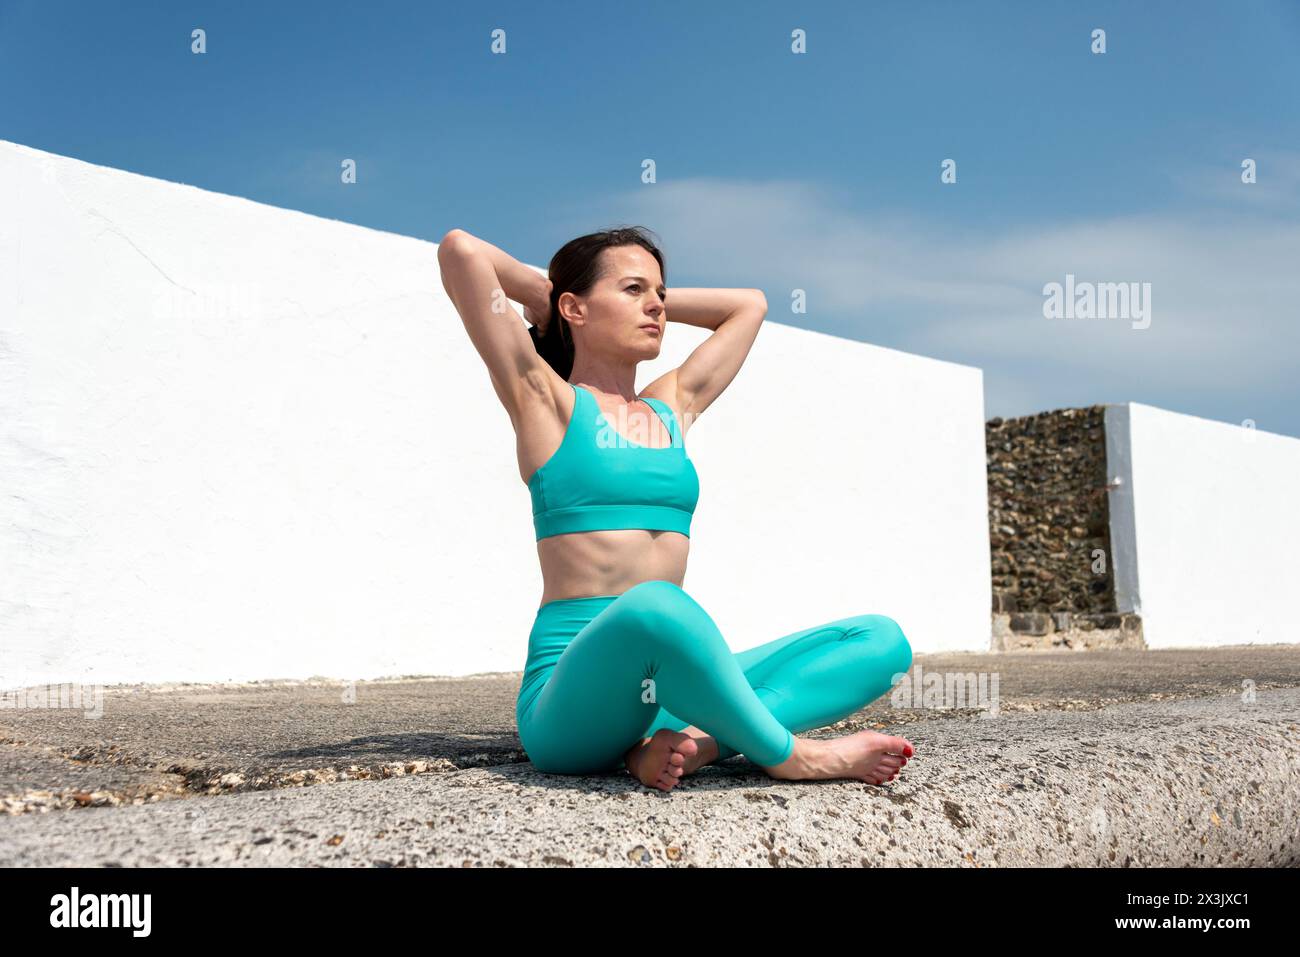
x=624 y=667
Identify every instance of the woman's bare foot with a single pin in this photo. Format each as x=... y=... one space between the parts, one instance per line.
x=866 y=756
x=663 y=760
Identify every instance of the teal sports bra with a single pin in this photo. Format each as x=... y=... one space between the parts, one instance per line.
x=597 y=479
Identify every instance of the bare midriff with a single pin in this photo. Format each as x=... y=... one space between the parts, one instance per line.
x=585 y=564
x=610 y=561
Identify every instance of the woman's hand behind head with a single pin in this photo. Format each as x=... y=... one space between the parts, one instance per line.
x=538 y=313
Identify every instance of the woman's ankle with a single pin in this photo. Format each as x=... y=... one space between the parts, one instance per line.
x=633 y=751
x=796 y=765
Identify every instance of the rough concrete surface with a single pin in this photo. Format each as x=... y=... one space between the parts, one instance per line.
x=1093 y=759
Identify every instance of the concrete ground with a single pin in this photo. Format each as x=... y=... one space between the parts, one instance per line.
x=1105 y=758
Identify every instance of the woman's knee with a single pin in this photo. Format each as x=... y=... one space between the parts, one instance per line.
x=656 y=606
x=568 y=762
x=893 y=643
x=545 y=766
x=664 y=616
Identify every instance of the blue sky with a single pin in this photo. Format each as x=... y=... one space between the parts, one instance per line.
x=818 y=171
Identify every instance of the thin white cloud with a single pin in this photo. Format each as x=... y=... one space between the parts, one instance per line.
x=1276 y=188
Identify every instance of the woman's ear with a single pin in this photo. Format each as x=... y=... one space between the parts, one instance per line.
x=574 y=311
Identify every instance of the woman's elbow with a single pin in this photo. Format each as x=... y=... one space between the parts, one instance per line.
x=454 y=240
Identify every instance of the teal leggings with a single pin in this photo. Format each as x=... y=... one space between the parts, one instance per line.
x=606 y=671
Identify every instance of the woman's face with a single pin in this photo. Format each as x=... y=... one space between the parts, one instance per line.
x=624 y=314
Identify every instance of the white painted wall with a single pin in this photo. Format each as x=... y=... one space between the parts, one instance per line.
x=1204 y=527
x=240 y=442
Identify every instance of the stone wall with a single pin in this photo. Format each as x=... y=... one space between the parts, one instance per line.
x=1049 y=530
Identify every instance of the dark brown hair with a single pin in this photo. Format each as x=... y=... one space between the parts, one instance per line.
x=574 y=268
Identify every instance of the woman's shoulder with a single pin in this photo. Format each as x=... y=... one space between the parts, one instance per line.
x=664 y=390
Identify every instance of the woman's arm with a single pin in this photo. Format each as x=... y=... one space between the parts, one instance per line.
x=735 y=316
x=707 y=308
x=479 y=279
x=521 y=283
